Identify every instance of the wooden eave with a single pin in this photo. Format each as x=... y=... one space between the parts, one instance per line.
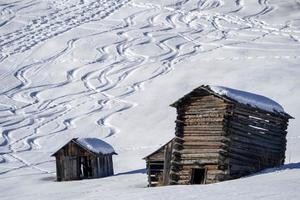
x=61 y=147
x=113 y=153
x=160 y=148
x=202 y=87
x=77 y=143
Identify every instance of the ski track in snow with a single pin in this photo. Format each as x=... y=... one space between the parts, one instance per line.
x=178 y=32
x=56 y=23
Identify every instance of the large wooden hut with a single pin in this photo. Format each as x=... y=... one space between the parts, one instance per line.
x=221 y=134
x=83 y=158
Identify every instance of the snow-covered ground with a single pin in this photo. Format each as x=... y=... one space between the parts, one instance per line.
x=110 y=69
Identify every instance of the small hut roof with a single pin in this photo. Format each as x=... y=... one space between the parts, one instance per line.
x=93 y=145
x=242 y=97
x=160 y=148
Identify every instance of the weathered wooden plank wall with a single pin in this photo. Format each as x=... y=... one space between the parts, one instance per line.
x=200 y=138
x=223 y=137
x=167 y=162
x=68 y=163
x=155 y=167
x=257 y=140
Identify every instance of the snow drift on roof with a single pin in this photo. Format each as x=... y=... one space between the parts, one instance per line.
x=96 y=145
x=248 y=98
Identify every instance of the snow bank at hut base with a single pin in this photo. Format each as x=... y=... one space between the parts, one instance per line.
x=275 y=184
x=247 y=98
x=95 y=145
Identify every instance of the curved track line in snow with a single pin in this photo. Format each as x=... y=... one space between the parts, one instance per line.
x=56 y=23
x=106 y=81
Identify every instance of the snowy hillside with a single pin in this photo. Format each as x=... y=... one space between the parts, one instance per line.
x=111 y=68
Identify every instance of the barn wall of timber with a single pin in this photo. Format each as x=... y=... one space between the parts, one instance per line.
x=220 y=138
x=200 y=139
x=68 y=163
x=257 y=140
x=155 y=168
x=168 y=149
x=103 y=166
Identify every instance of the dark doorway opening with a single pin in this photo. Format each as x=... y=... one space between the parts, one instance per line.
x=85 y=167
x=198 y=176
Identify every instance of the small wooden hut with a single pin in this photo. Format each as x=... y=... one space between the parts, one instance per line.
x=83 y=158
x=156 y=164
x=221 y=134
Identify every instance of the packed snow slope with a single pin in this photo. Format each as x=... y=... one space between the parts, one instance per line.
x=110 y=68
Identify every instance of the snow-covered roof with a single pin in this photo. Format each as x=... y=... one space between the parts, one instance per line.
x=95 y=145
x=247 y=98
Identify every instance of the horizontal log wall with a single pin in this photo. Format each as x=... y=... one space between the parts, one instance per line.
x=200 y=139
x=257 y=140
x=155 y=167
x=226 y=138
x=155 y=173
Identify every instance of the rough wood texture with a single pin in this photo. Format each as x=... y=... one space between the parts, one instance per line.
x=257 y=140
x=74 y=163
x=158 y=165
x=224 y=137
x=200 y=125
